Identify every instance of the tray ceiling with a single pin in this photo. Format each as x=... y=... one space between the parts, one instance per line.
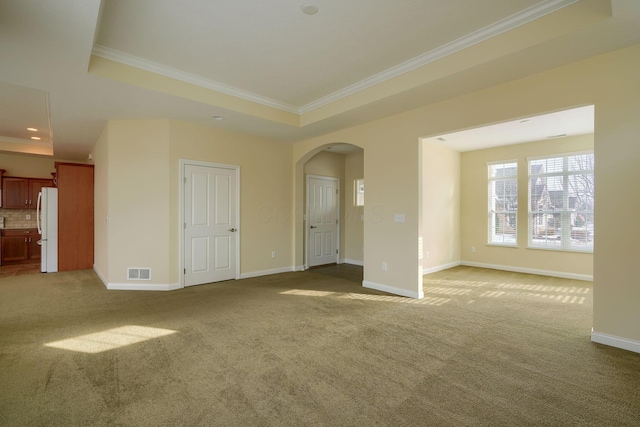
x=271 y=70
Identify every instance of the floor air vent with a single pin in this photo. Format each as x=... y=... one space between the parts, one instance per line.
x=138 y=273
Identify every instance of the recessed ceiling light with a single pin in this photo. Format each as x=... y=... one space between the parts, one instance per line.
x=37 y=138
x=525 y=121
x=557 y=136
x=32 y=129
x=441 y=139
x=217 y=117
x=309 y=9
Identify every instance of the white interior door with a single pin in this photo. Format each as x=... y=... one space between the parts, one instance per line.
x=322 y=221
x=210 y=233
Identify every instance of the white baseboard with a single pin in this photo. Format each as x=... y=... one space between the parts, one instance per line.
x=352 y=261
x=564 y=275
x=614 y=341
x=143 y=287
x=439 y=267
x=393 y=290
x=136 y=286
x=267 y=272
x=299 y=268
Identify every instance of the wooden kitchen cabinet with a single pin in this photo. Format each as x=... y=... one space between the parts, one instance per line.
x=20 y=246
x=22 y=193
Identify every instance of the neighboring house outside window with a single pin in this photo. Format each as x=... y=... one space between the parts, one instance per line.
x=503 y=203
x=561 y=201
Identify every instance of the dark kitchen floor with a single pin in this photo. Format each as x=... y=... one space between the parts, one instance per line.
x=19 y=270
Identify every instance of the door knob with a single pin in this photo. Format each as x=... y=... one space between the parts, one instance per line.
x=314 y=226
x=233 y=230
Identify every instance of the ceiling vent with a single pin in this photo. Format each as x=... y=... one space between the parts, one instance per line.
x=138 y=273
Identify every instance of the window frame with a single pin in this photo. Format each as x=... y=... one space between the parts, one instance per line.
x=567 y=214
x=358 y=192
x=491 y=212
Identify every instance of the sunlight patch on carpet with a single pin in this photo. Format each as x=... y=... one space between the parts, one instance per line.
x=404 y=300
x=307 y=293
x=111 y=339
x=367 y=297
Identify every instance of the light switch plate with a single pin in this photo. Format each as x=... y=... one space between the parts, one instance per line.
x=398 y=217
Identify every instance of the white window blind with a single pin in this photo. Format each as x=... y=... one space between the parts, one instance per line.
x=561 y=201
x=503 y=202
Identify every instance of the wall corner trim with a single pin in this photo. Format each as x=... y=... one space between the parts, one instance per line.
x=100 y=276
x=393 y=290
x=614 y=341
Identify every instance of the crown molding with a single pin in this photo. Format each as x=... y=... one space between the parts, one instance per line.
x=163 y=70
x=499 y=27
x=530 y=14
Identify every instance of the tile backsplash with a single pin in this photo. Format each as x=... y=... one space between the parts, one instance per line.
x=17 y=218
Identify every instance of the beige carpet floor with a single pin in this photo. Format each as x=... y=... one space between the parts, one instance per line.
x=483 y=348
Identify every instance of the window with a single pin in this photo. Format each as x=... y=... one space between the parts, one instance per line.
x=359 y=192
x=561 y=200
x=503 y=202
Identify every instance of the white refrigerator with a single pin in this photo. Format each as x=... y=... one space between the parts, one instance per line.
x=47 y=220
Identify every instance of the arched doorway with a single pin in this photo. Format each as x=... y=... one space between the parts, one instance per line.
x=344 y=164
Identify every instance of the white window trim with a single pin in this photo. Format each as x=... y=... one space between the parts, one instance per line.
x=356 y=192
x=489 y=210
x=565 y=239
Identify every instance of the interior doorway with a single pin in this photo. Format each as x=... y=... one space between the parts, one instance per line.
x=344 y=162
x=323 y=212
x=210 y=232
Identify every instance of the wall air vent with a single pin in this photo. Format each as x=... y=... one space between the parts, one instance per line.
x=138 y=274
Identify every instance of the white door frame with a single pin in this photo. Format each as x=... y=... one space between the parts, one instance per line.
x=182 y=164
x=306 y=218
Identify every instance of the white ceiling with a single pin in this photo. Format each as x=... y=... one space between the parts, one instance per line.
x=272 y=49
x=271 y=55
x=560 y=124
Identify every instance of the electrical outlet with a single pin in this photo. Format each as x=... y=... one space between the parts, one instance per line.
x=273 y=254
x=384 y=266
x=427 y=254
x=28 y=217
x=473 y=248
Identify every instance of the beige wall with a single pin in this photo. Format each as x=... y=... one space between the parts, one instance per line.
x=271 y=175
x=474 y=210
x=391 y=161
x=353 y=222
x=27 y=166
x=608 y=81
x=440 y=207
x=265 y=192
x=137 y=178
x=326 y=164
x=139 y=201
